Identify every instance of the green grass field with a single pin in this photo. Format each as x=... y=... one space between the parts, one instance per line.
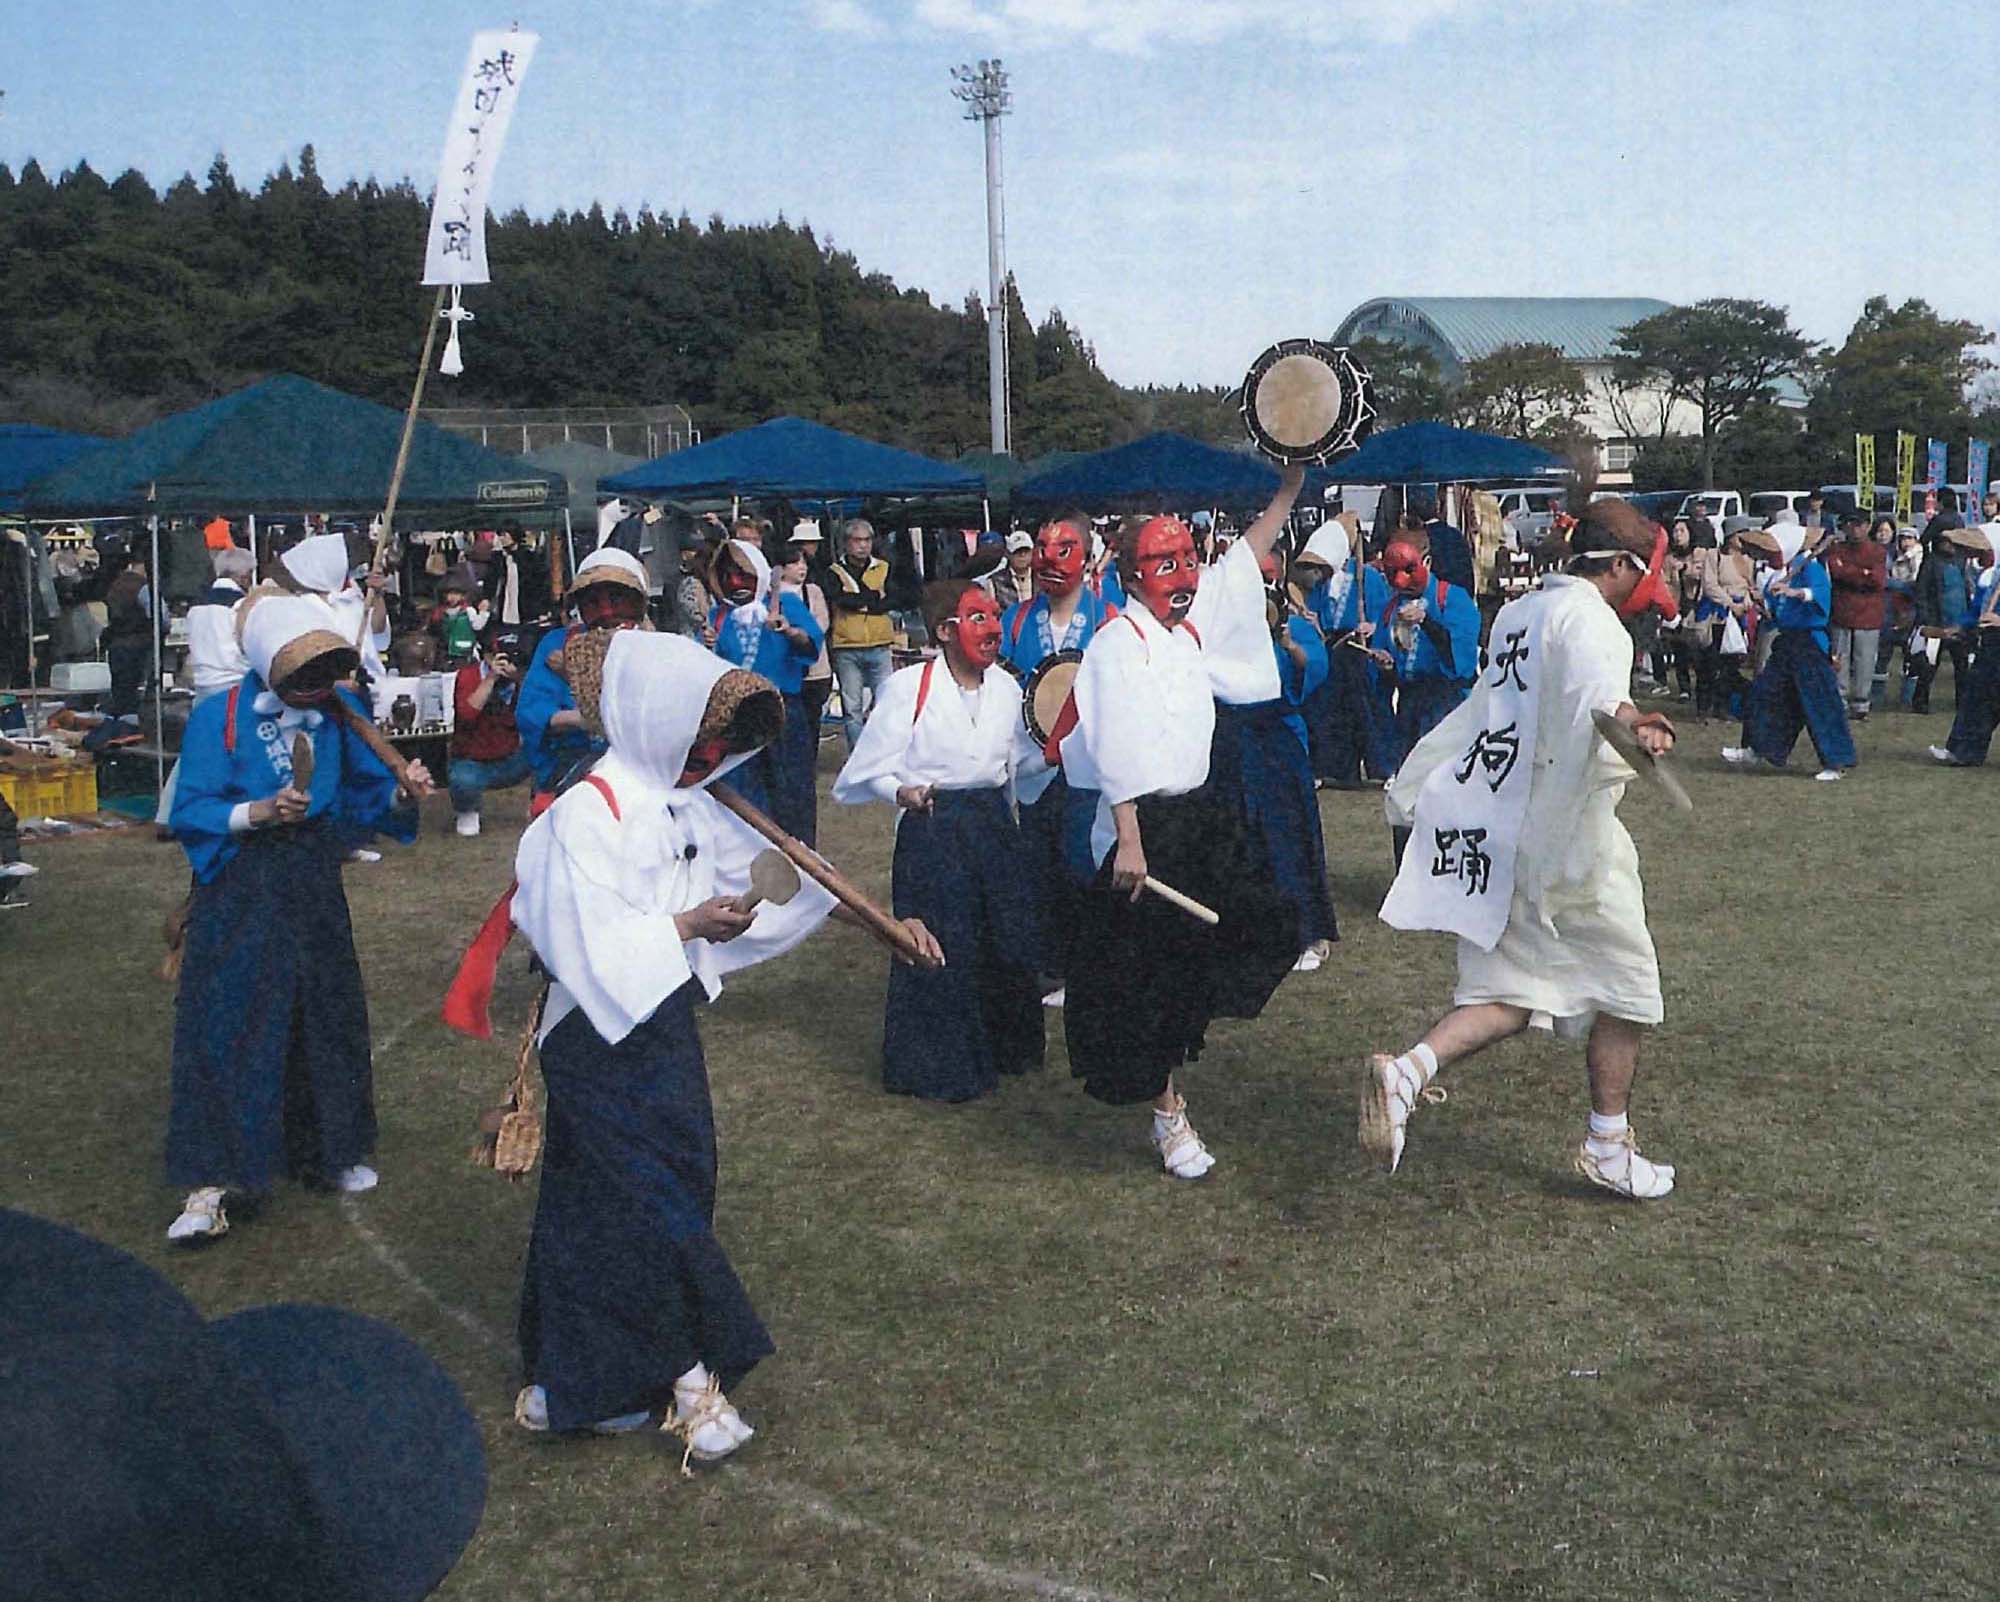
x=1015 y=1360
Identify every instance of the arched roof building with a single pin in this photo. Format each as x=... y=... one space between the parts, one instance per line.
x=1457 y=329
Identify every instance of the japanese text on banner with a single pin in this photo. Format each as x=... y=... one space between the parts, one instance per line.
x=1864 y=472
x=456 y=250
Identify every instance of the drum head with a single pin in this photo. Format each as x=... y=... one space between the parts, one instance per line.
x=1047 y=691
x=1306 y=402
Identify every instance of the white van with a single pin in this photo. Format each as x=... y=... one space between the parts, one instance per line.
x=1715 y=505
x=1767 y=504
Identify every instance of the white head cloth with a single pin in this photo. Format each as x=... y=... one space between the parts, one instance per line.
x=749 y=556
x=1330 y=544
x=610 y=556
x=598 y=890
x=319 y=563
x=276 y=621
x=1791 y=538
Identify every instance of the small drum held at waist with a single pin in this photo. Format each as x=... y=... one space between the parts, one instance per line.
x=1047 y=692
x=1304 y=401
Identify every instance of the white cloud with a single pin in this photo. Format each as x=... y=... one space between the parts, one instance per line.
x=844 y=16
x=1131 y=27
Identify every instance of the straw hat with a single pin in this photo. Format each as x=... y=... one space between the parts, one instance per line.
x=1971 y=539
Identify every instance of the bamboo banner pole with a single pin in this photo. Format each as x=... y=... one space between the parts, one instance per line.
x=402 y=455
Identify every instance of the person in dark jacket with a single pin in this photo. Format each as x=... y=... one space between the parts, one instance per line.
x=1943 y=601
x=1859 y=569
x=1451 y=555
x=128 y=635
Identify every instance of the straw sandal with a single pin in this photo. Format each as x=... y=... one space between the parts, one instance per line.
x=1180 y=1148
x=1640 y=1180
x=202 y=1218
x=1387 y=1100
x=706 y=1422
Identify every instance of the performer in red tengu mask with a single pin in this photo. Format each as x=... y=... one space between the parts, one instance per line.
x=943 y=746
x=1145 y=977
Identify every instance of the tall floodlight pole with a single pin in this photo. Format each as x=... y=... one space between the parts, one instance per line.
x=984 y=90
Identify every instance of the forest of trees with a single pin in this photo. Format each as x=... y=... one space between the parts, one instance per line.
x=123 y=304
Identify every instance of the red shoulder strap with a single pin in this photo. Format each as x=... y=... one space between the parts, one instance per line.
x=229 y=719
x=923 y=690
x=1020 y=617
x=603 y=788
x=1444 y=589
x=1192 y=630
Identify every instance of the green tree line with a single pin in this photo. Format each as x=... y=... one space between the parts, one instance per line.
x=122 y=304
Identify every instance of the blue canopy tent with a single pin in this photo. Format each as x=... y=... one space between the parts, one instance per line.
x=286 y=445
x=791 y=459
x=1433 y=453
x=28 y=453
x=1160 y=473
x=282 y=445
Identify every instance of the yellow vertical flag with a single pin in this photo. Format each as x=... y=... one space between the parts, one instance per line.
x=1906 y=474
x=1864 y=473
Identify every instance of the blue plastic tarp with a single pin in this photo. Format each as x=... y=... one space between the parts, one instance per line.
x=1432 y=453
x=789 y=458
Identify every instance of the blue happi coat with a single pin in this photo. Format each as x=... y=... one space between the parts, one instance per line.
x=544 y=693
x=779 y=778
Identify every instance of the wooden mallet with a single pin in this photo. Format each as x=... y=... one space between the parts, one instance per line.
x=773 y=878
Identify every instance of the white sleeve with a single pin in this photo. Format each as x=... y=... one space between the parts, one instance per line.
x=1228 y=616
x=775 y=929
x=617 y=960
x=1115 y=719
x=878 y=765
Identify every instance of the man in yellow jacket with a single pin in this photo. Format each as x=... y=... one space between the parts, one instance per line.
x=858 y=591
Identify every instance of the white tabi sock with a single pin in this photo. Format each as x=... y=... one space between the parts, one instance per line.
x=1607 y=1133
x=1418 y=1067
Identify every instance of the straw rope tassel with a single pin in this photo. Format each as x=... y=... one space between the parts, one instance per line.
x=510 y=1135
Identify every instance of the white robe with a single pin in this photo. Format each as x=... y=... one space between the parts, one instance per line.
x=597 y=891
x=1576 y=941
x=950 y=746
x=1146 y=693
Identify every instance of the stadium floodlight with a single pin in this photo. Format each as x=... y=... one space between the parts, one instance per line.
x=986 y=97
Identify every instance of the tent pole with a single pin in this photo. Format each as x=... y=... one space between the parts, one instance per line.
x=403 y=450
x=158 y=592
x=985 y=512
x=28 y=592
x=569 y=539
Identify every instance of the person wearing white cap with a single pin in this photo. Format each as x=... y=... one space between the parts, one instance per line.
x=609 y=592
x=1016 y=581
x=318 y=564
x=799 y=574
x=273 y=779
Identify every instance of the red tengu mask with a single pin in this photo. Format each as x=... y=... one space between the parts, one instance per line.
x=975 y=630
x=609 y=606
x=734 y=582
x=1059 y=557
x=1652 y=593
x=1403 y=565
x=1164 y=572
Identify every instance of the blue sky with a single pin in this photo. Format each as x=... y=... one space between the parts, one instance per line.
x=1188 y=181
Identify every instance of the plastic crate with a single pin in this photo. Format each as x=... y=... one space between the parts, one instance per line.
x=50 y=790
x=79 y=789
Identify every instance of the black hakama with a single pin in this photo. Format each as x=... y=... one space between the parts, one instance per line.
x=271 y=1073
x=1345 y=722
x=1798 y=690
x=1978 y=705
x=1258 y=759
x=1055 y=830
x=1145 y=978
x=627 y=1287
x=791 y=768
x=1421 y=705
x=948 y=1035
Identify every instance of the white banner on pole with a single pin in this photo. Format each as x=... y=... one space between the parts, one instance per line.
x=456 y=252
